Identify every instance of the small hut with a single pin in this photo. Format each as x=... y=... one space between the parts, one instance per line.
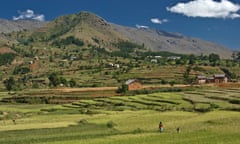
x=133 y=84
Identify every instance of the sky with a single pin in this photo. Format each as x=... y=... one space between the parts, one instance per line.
x=213 y=20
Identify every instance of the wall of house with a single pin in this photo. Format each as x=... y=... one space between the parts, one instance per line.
x=221 y=80
x=135 y=86
x=201 y=81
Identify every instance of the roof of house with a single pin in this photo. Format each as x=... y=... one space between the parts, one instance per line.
x=128 y=82
x=210 y=78
x=201 y=77
x=219 y=75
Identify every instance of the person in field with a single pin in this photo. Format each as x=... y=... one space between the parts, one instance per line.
x=160 y=127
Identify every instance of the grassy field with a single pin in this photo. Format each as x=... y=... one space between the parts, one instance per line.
x=204 y=116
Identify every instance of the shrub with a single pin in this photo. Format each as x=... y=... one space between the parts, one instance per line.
x=110 y=124
x=6 y=58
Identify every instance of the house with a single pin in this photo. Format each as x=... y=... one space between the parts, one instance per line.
x=201 y=79
x=210 y=79
x=220 y=78
x=216 y=78
x=133 y=84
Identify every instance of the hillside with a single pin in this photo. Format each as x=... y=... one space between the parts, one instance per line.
x=84 y=50
x=96 y=31
x=88 y=27
x=158 y=40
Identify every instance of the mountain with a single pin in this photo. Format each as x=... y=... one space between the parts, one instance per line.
x=86 y=26
x=158 y=40
x=7 y=26
x=95 y=31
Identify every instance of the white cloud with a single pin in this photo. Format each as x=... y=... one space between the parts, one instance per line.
x=158 y=21
x=207 y=8
x=141 y=26
x=29 y=14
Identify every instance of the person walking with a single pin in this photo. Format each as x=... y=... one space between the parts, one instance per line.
x=160 y=127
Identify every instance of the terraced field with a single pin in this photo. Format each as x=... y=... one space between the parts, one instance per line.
x=203 y=116
x=200 y=101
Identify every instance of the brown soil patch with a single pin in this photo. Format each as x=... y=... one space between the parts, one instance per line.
x=5 y=49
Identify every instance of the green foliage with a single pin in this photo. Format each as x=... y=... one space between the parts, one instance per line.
x=54 y=79
x=123 y=88
x=125 y=49
x=164 y=82
x=63 y=25
x=186 y=75
x=23 y=41
x=9 y=83
x=68 y=41
x=63 y=81
x=214 y=59
x=6 y=58
x=230 y=74
x=95 y=40
x=172 y=82
x=161 y=53
x=72 y=83
x=110 y=124
x=126 y=46
x=21 y=70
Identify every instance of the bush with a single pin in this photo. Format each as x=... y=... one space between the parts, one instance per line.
x=67 y=41
x=6 y=58
x=83 y=121
x=110 y=124
x=21 y=70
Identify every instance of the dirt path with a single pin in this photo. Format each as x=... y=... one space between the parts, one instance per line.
x=85 y=89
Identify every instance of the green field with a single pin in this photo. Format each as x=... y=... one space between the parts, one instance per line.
x=204 y=116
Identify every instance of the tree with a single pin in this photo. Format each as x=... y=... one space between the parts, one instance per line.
x=186 y=74
x=9 y=83
x=192 y=59
x=72 y=83
x=123 y=88
x=63 y=81
x=214 y=59
x=6 y=58
x=54 y=80
x=172 y=83
x=21 y=70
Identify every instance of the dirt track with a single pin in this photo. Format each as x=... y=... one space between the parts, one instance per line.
x=85 y=89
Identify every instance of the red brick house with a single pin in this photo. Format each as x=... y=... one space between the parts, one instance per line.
x=133 y=84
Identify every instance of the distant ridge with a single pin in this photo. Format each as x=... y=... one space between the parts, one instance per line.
x=96 y=31
x=7 y=26
x=158 y=40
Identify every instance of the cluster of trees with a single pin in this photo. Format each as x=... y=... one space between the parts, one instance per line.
x=6 y=58
x=21 y=70
x=9 y=83
x=56 y=80
x=68 y=41
x=126 y=49
x=211 y=59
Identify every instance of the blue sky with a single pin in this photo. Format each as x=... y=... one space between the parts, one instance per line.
x=213 y=20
